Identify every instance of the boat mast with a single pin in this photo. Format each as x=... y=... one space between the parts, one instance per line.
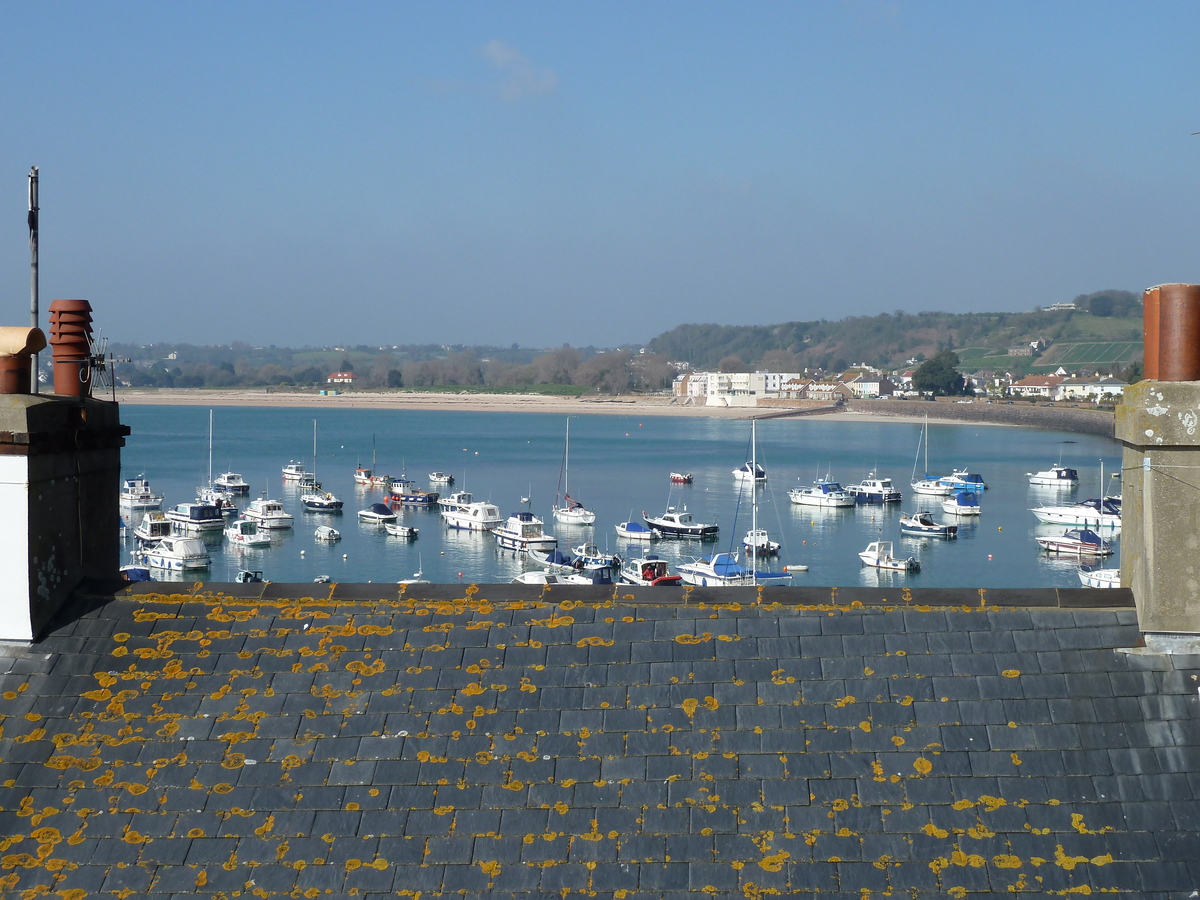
x=567 y=459
x=754 y=503
x=314 y=449
x=210 y=421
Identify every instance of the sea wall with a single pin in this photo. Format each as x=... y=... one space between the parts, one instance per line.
x=1066 y=418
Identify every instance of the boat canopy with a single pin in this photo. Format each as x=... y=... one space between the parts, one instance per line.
x=381 y=508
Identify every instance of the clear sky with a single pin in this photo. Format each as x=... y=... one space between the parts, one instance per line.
x=308 y=173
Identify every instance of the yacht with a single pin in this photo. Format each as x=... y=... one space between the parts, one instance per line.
x=1076 y=542
x=154 y=525
x=136 y=494
x=462 y=510
x=177 y=553
x=523 y=531
x=232 y=483
x=1099 y=578
x=1055 y=476
x=1092 y=513
x=822 y=493
x=673 y=523
x=319 y=500
x=196 y=516
x=874 y=490
x=923 y=524
x=724 y=570
x=269 y=514
x=294 y=471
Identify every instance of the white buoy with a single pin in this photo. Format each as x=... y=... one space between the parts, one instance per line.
x=301 y=552
x=343 y=556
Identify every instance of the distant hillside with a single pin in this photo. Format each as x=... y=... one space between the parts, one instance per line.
x=982 y=340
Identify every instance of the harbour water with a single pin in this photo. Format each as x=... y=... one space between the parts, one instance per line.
x=619 y=466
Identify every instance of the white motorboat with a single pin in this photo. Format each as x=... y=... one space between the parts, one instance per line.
x=1099 y=578
x=878 y=555
x=592 y=576
x=461 y=510
x=523 y=531
x=758 y=542
x=649 y=570
x=269 y=514
x=822 y=492
x=136 y=495
x=1091 y=513
x=177 y=553
x=196 y=517
x=680 y=524
x=378 y=513
x=962 y=503
x=440 y=478
x=403 y=531
x=569 y=511
x=294 y=471
x=1055 y=477
x=750 y=472
x=962 y=480
x=232 y=483
x=327 y=533
x=246 y=534
x=154 y=525
x=636 y=531
x=923 y=524
x=1076 y=542
x=874 y=490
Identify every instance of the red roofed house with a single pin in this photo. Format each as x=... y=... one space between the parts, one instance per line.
x=342 y=378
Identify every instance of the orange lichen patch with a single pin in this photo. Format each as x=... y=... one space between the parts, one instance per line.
x=1006 y=861
x=922 y=765
x=593 y=642
x=840 y=805
x=897 y=740
x=554 y=621
x=991 y=804
x=1078 y=824
x=693 y=638
x=364 y=669
x=933 y=831
x=689 y=706
x=1011 y=673
x=844 y=701
x=865 y=726
x=774 y=862
x=963 y=804
x=73 y=762
x=1016 y=760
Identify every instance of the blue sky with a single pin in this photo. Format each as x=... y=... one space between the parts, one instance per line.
x=589 y=173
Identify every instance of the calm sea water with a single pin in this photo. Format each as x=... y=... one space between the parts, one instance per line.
x=619 y=466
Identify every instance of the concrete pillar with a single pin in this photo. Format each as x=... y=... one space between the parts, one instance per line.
x=1158 y=424
x=60 y=465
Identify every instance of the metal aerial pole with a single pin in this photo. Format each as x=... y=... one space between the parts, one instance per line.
x=33 y=263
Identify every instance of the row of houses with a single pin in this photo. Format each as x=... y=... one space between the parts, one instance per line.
x=864 y=382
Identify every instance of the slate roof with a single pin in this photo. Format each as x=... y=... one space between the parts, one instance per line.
x=499 y=741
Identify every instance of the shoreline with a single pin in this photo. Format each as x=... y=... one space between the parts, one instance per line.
x=625 y=405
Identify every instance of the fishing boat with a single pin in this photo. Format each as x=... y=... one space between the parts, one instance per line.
x=365 y=477
x=874 y=490
x=1099 y=578
x=460 y=510
x=268 y=513
x=232 y=483
x=822 y=492
x=962 y=503
x=930 y=485
x=196 y=517
x=649 y=571
x=440 y=478
x=1055 y=477
x=245 y=533
x=878 y=555
x=759 y=543
x=569 y=511
x=294 y=471
x=681 y=478
x=1076 y=542
x=378 y=513
x=750 y=472
x=405 y=493
x=636 y=531
x=327 y=533
x=923 y=524
x=680 y=524
x=177 y=554
x=315 y=499
x=523 y=531
x=136 y=495
x=408 y=532
x=154 y=525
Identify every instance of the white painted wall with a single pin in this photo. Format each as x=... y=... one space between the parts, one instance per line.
x=15 y=624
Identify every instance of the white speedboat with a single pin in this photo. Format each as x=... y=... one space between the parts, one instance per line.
x=294 y=471
x=962 y=480
x=724 y=570
x=758 y=541
x=177 y=553
x=196 y=517
x=878 y=555
x=440 y=478
x=649 y=570
x=962 y=503
x=461 y=510
x=523 y=531
x=750 y=472
x=1099 y=578
x=378 y=513
x=1092 y=513
x=822 y=492
x=874 y=490
x=1055 y=476
x=674 y=523
x=154 y=525
x=232 y=483
x=636 y=531
x=923 y=524
x=245 y=533
x=1076 y=542
x=327 y=533
x=402 y=531
x=268 y=513
x=136 y=495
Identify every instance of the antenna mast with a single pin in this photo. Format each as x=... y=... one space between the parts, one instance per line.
x=33 y=264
